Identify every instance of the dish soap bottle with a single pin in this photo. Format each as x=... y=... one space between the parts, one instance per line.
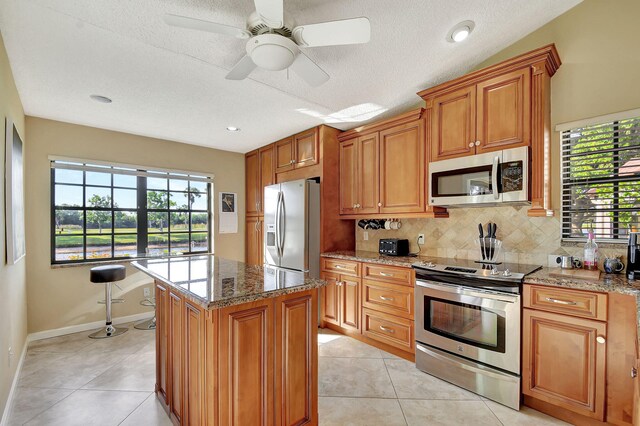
x=591 y=253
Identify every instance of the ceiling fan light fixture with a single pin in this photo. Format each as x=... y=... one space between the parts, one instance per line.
x=233 y=129
x=101 y=99
x=460 y=32
x=272 y=51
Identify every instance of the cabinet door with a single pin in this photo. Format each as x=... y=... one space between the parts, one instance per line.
x=194 y=362
x=284 y=155
x=246 y=364
x=330 y=298
x=296 y=351
x=350 y=303
x=348 y=172
x=253 y=241
x=162 y=342
x=175 y=354
x=563 y=362
x=267 y=173
x=503 y=111
x=402 y=168
x=453 y=124
x=305 y=148
x=368 y=179
x=252 y=182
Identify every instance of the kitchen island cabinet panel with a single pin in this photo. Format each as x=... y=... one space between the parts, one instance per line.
x=175 y=354
x=162 y=343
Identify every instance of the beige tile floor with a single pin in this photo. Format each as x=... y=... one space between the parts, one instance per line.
x=74 y=380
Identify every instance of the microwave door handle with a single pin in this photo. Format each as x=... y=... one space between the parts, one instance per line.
x=494 y=177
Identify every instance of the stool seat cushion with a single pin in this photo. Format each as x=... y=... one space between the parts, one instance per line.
x=108 y=273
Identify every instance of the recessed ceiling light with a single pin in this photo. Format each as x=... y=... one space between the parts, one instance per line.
x=101 y=99
x=460 y=31
x=233 y=129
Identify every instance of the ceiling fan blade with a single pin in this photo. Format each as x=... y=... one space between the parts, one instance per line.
x=333 y=33
x=242 y=69
x=271 y=12
x=200 y=25
x=309 y=71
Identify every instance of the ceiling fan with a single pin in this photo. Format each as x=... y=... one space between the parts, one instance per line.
x=273 y=44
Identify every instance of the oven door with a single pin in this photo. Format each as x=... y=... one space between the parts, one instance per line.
x=477 y=324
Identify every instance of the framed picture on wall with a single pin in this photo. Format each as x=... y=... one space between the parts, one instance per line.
x=14 y=194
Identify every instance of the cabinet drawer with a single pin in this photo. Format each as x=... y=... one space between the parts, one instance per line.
x=389 y=329
x=388 y=274
x=345 y=267
x=390 y=298
x=578 y=303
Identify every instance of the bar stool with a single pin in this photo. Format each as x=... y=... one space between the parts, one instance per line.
x=107 y=275
x=149 y=324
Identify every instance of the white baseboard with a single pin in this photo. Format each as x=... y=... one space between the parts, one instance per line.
x=86 y=327
x=14 y=385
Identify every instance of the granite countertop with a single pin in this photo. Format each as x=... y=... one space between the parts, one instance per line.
x=373 y=257
x=214 y=282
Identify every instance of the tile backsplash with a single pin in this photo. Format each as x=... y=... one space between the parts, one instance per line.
x=531 y=240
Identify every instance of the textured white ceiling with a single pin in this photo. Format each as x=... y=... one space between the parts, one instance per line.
x=169 y=83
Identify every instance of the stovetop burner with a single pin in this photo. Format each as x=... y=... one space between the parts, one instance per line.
x=504 y=276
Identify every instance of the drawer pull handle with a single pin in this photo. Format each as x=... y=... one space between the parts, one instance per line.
x=388 y=299
x=560 y=301
x=340 y=267
x=384 y=274
x=387 y=329
x=339 y=283
x=352 y=284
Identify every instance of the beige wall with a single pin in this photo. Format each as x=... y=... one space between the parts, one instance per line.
x=598 y=46
x=64 y=296
x=13 y=287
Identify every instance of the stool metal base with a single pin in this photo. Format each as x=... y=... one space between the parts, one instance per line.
x=108 y=331
x=149 y=324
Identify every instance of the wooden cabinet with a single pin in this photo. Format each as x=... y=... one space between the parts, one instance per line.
x=284 y=155
x=360 y=175
x=253 y=240
x=252 y=182
x=341 y=302
x=297 y=151
x=370 y=302
x=267 y=172
x=248 y=364
x=564 y=361
x=349 y=176
x=453 y=125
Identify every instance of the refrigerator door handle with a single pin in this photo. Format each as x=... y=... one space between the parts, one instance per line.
x=282 y=223
x=277 y=219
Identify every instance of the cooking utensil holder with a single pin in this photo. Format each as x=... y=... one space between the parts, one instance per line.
x=490 y=249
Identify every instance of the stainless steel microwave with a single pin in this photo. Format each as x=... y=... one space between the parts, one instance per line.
x=482 y=179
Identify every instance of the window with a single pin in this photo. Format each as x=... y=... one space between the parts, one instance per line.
x=110 y=212
x=601 y=178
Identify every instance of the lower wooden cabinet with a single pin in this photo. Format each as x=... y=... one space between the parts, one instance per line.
x=248 y=364
x=253 y=240
x=564 y=361
x=370 y=302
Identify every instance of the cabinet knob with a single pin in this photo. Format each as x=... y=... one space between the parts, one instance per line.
x=379 y=204
x=600 y=339
x=471 y=144
x=292 y=162
x=355 y=206
x=634 y=372
x=477 y=143
x=358 y=205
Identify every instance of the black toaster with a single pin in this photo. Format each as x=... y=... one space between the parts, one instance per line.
x=393 y=247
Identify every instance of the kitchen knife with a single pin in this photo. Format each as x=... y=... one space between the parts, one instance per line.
x=487 y=244
x=492 y=239
x=481 y=239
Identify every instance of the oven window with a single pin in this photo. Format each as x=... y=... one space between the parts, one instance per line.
x=465 y=323
x=462 y=182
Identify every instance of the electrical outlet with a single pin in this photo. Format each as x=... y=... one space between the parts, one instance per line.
x=10 y=356
x=365 y=236
x=420 y=239
x=147 y=292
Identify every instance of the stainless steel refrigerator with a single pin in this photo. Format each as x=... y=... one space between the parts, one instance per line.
x=292 y=226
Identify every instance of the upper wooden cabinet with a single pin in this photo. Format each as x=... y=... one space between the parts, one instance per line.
x=300 y=150
x=383 y=168
x=252 y=182
x=259 y=172
x=506 y=105
x=488 y=116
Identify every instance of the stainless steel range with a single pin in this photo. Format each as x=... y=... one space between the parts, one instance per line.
x=468 y=325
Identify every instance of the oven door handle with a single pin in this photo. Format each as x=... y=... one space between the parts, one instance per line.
x=466 y=292
x=462 y=364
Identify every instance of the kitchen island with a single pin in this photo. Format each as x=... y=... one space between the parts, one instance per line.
x=235 y=344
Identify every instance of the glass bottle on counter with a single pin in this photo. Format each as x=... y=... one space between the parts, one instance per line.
x=591 y=253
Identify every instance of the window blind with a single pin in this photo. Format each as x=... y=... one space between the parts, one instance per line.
x=600 y=166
